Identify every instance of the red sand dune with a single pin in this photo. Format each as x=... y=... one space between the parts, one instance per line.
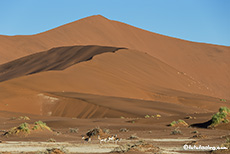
x=146 y=66
x=206 y=63
x=109 y=76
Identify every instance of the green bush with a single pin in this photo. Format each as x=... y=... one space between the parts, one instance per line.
x=221 y=116
x=36 y=127
x=179 y=122
x=173 y=123
x=224 y=109
x=24 y=127
x=223 y=100
x=40 y=125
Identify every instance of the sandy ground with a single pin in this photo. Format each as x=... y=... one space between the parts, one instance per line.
x=17 y=147
x=150 y=130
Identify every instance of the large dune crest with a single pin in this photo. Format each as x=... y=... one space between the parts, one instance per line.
x=206 y=63
x=53 y=59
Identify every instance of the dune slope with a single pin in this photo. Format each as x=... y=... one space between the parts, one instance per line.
x=54 y=59
x=206 y=63
x=96 y=106
x=125 y=73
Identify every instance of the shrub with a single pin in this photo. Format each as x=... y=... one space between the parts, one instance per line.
x=51 y=140
x=123 y=130
x=20 y=118
x=188 y=117
x=227 y=140
x=94 y=131
x=36 y=127
x=224 y=109
x=133 y=137
x=73 y=130
x=176 y=131
x=181 y=121
x=105 y=130
x=220 y=117
x=195 y=132
x=178 y=123
x=24 y=127
x=226 y=144
x=223 y=100
x=158 y=115
x=23 y=118
x=40 y=125
x=13 y=118
x=173 y=123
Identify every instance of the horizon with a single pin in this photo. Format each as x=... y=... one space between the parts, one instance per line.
x=180 y=16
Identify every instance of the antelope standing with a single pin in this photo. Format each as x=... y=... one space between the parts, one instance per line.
x=102 y=139
x=86 y=138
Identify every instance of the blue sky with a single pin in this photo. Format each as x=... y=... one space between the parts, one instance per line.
x=195 y=20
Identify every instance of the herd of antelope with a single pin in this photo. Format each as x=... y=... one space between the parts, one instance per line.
x=101 y=136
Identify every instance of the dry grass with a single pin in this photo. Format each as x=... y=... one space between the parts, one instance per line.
x=179 y=123
x=25 y=129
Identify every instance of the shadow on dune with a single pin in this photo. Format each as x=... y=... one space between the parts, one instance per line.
x=202 y=125
x=58 y=58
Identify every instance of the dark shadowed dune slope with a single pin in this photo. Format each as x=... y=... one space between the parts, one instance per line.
x=55 y=59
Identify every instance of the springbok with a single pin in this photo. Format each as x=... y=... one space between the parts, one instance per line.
x=86 y=138
x=117 y=139
x=113 y=138
x=110 y=138
x=102 y=139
